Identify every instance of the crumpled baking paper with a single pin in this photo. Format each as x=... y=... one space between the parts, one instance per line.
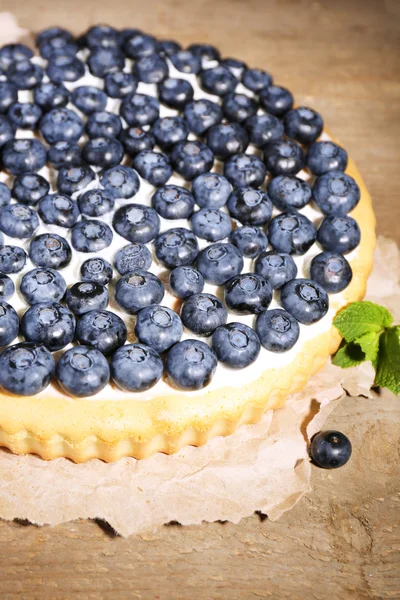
x=263 y=467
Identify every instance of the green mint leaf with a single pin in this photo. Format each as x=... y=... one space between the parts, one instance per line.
x=369 y=344
x=360 y=318
x=388 y=369
x=348 y=355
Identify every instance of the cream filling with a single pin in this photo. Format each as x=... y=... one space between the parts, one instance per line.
x=224 y=376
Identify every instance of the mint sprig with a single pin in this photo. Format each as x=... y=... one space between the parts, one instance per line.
x=368 y=334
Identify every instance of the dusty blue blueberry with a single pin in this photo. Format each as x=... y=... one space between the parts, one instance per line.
x=42 y=285
x=236 y=345
x=101 y=329
x=186 y=281
x=208 y=54
x=24 y=115
x=248 y=294
x=227 y=139
x=330 y=449
x=191 y=158
x=303 y=124
x=276 y=267
x=82 y=371
x=132 y=257
x=175 y=93
x=50 y=250
x=84 y=296
x=45 y=35
x=88 y=99
x=120 y=182
x=238 y=107
x=263 y=129
x=61 y=125
x=29 y=188
x=9 y=323
x=249 y=206
x=292 y=233
x=186 y=62
x=153 y=166
x=102 y=36
x=139 y=109
x=8 y=95
x=218 y=80
x=169 y=131
x=173 y=202
x=10 y=53
x=136 y=223
x=288 y=192
x=176 y=247
x=276 y=100
x=256 y=80
x=96 y=202
x=23 y=155
x=245 y=170
x=119 y=84
x=136 y=367
x=7 y=129
x=136 y=139
x=332 y=271
x=26 y=369
x=283 y=157
x=18 y=221
x=97 y=269
x=277 y=329
x=211 y=190
x=50 y=324
x=65 y=68
x=251 y=241
x=5 y=194
x=12 y=259
x=335 y=193
x=219 y=262
x=326 y=156
x=158 y=327
x=139 y=44
x=169 y=47
x=7 y=287
x=339 y=234
x=74 y=178
x=202 y=114
x=24 y=74
x=58 y=45
x=190 y=365
x=105 y=60
x=91 y=235
x=58 y=209
x=150 y=69
x=211 y=224
x=103 y=152
x=103 y=124
x=305 y=299
x=64 y=154
x=138 y=289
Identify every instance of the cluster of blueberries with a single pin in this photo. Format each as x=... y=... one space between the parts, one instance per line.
x=284 y=142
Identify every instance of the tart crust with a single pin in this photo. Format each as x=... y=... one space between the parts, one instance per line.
x=52 y=426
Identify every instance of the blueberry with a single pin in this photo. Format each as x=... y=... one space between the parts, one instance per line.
x=8 y=95
x=211 y=190
x=135 y=139
x=50 y=250
x=276 y=267
x=236 y=345
x=227 y=139
x=9 y=323
x=97 y=270
x=219 y=262
x=119 y=84
x=326 y=156
x=136 y=367
x=46 y=35
x=7 y=129
x=120 y=182
x=176 y=247
x=13 y=53
x=169 y=47
x=24 y=74
x=332 y=271
x=12 y=259
x=250 y=207
x=292 y=233
x=65 y=68
x=289 y=193
x=96 y=202
x=52 y=325
x=173 y=202
x=88 y=99
x=237 y=67
x=23 y=155
x=256 y=80
x=211 y=224
x=18 y=221
x=85 y=296
x=238 y=107
x=153 y=166
x=91 y=235
x=339 y=234
x=150 y=69
x=102 y=330
x=335 y=193
x=158 y=327
x=140 y=44
x=190 y=365
x=169 y=131
x=61 y=125
x=276 y=100
x=102 y=36
x=330 y=449
x=186 y=281
x=303 y=124
x=57 y=46
x=24 y=115
x=277 y=329
x=82 y=371
x=218 y=80
x=263 y=129
x=245 y=170
x=186 y=62
x=103 y=152
x=208 y=54
x=132 y=257
x=26 y=369
x=105 y=60
x=248 y=294
x=139 y=109
x=5 y=195
x=138 y=289
x=136 y=223
x=305 y=299
x=42 y=285
x=74 y=178
x=191 y=158
x=202 y=114
x=7 y=287
x=175 y=93
x=64 y=154
x=51 y=95
x=283 y=158
x=29 y=188
x=250 y=241
x=103 y=124
x=58 y=209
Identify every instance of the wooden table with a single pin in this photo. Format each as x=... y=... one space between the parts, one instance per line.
x=342 y=59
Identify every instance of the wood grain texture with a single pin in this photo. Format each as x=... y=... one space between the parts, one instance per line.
x=342 y=59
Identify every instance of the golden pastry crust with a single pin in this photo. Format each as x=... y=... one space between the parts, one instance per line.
x=53 y=425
